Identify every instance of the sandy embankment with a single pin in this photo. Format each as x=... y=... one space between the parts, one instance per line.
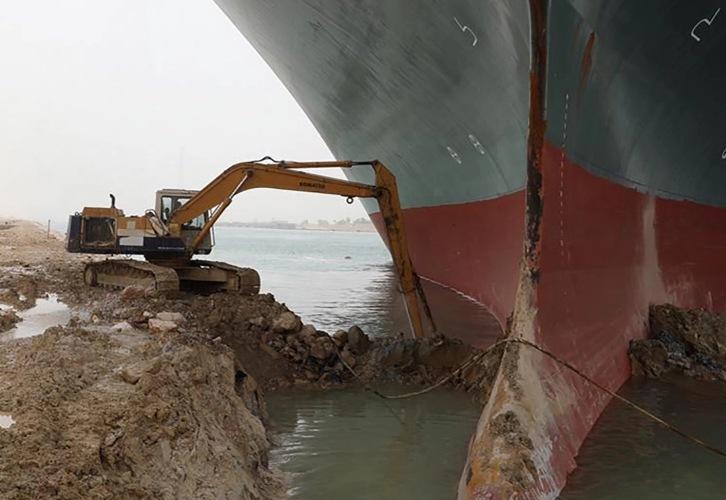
x=144 y=396
x=104 y=413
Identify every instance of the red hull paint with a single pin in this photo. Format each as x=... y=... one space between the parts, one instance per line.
x=606 y=253
x=598 y=274
x=472 y=247
x=692 y=246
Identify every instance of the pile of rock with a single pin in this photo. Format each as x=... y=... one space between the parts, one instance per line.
x=690 y=342
x=274 y=346
x=317 y=357
x=323 y=356
x=161 y=322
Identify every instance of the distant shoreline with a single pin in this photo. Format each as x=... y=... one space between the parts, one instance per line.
x=330 y=227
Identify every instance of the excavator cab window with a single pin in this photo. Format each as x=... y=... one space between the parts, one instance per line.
x=171 y=203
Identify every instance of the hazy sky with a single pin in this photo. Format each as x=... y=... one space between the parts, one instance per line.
x=129 y=96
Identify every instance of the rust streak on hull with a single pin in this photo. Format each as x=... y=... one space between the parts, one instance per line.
x=503 y=460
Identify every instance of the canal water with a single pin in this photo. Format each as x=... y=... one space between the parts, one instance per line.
x=338 y=279
x=627 y=456
x=348 y=444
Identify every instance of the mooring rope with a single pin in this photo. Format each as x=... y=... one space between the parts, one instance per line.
x=478 y=356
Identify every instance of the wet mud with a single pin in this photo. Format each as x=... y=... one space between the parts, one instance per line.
x=682 y=341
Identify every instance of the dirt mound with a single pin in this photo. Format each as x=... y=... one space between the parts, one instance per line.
x=691 y=342
x=18 y=290
x=278 y=350
x=25 y=242
x=8 y=319
x=128 y=415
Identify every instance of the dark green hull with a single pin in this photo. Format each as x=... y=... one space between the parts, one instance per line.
x=567 y=191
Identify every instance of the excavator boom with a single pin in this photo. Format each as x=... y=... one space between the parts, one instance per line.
x=180 y=228
x=218 y=195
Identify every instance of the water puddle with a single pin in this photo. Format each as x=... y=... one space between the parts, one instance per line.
x=350 y=444
x=47 y=312
x=6 y=421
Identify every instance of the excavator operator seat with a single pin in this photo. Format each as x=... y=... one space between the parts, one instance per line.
x=168 y=200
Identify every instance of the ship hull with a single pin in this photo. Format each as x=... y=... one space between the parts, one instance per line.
x=559 y=161
x=621 y=251
x=464 y=245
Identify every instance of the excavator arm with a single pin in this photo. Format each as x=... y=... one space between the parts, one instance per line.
x=218 y=195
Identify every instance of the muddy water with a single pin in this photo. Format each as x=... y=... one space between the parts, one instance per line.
x=335 y=279
x=47 y=312
x=350 y=444
x=627 y=457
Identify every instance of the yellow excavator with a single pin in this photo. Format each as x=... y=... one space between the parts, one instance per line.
x=181 y=226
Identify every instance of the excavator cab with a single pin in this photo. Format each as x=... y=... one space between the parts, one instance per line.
x=170 y=200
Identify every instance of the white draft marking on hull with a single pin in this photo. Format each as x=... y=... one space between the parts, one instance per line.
x=705 y=20
x=562 y=179
x=454 y=154
x=464 y=29
x=477 y=145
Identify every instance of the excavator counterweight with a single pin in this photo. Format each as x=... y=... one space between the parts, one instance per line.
x=181 y=226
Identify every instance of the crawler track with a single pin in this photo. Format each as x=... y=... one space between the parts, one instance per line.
x=197 y=276
x=120 y=273
x=242 y=280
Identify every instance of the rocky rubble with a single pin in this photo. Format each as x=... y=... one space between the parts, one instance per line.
x=279 y=350
x=689 y=342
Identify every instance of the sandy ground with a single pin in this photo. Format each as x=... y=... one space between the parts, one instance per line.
x=28 y=243
x=144 y=396
x=118 y=413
